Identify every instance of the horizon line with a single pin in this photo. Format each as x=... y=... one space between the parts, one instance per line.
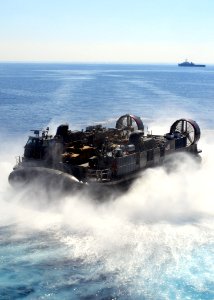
x=91 y=62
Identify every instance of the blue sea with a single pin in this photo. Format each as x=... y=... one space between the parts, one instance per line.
x=153 y=242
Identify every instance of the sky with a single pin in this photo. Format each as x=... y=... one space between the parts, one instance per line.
x=123 y=31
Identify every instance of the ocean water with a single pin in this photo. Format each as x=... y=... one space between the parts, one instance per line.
x=154 y=242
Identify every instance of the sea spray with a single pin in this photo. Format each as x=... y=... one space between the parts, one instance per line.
x=154 y=242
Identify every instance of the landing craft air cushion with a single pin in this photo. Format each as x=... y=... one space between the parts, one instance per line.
x=100 y=156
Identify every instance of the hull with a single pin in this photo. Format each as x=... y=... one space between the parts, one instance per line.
x=51 y=179
x=180 y=65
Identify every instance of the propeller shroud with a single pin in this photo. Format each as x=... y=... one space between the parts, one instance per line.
x=187 y=128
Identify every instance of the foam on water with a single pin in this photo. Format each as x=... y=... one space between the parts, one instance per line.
x=154 y=242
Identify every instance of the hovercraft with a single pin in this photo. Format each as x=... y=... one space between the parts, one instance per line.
x=100 y=156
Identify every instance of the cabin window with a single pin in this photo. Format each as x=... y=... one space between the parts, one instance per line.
x=34 y=141
x=29 y=141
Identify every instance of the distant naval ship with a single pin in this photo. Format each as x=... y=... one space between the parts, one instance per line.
x=189 y=64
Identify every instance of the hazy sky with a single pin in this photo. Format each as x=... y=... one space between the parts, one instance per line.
x=107 y=30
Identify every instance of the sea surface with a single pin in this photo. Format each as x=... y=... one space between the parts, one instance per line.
x=154 y=242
